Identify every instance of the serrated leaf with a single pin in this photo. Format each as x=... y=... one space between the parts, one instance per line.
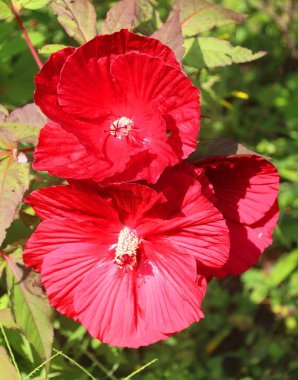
x=14 y=181
x=23 y=124
x=78 y=18
x=32 y=313
x=6 y=319
x=7 y=370
x=197 y=16
x=170 y=34
x=5 y=11
x=121 y=16
x=219 y=147
x=50 y=49
x=212 y=52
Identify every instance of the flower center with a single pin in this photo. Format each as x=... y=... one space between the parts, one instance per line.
x=121 y=127
x=126 y=250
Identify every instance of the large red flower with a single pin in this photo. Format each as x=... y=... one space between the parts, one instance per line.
x=245 y=190
x=121 y=110
x=124 y=262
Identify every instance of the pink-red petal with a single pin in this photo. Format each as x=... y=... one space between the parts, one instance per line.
x=169 y=296
x=246 y=187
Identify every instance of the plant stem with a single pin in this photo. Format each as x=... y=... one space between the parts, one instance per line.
x=25 y=34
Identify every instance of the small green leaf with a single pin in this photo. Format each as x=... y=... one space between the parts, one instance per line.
x=29 y=4
x=50 y=49
x=23 y=124
x=5 y=11
x=212 y=52
x=31 y=312
x=197 y=16
x=7 y=370
x=78 y=18
x=170 y=34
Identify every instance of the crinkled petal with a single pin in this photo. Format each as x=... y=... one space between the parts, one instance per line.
x=169 y=296
x=69 y=202
x=246 y=187
x=60 y=153
x=56 y=233
x=106 y=303
x=247 y=244
x=65 y=268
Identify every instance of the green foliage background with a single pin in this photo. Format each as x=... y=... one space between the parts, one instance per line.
x=250 y=328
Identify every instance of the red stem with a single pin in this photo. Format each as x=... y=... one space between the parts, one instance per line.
x=25 y=34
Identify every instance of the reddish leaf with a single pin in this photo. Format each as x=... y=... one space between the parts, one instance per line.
x=77 y=17
x=171 y=34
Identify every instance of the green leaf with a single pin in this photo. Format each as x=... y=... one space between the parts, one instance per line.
x=31 y=312
x=212 y=52
x=78 y=18
x=50 y=49
x=29 y=4
x=170 y=34
x=5 y=11
x=7 y=370
x=14 y=181
x=197 y=16
x=23 y=124
x=283 y=268
x=121 y=16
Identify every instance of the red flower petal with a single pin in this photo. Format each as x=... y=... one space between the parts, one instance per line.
x=65 y=268
x=169 y=297
x=106 y=303
x=247 y=244
x=46 y=81
x=246 y=187
x=60 y=233
x=60 y=153
x=69 y=202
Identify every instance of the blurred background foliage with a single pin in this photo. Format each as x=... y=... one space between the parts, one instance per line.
x=251 y=326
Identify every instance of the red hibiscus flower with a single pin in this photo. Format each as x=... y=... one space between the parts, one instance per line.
x=121 y=110
x=124 y=262
x=245 y=190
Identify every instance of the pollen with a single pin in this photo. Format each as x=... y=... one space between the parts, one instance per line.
x=121 y=127
x=126 y=250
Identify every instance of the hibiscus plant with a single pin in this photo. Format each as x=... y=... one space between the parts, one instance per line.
x=130 y=211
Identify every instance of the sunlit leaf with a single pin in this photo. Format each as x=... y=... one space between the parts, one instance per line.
x=7 y=370
x=121 y=16
x=171 y=34
x=50 y=49
x=14 y=181
x=78 y=18
x=29 y=4
x=197 y=16
x=212 y=52
x=6 y=319
x=23 y=124
x=5 y=11
x=31 y=312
